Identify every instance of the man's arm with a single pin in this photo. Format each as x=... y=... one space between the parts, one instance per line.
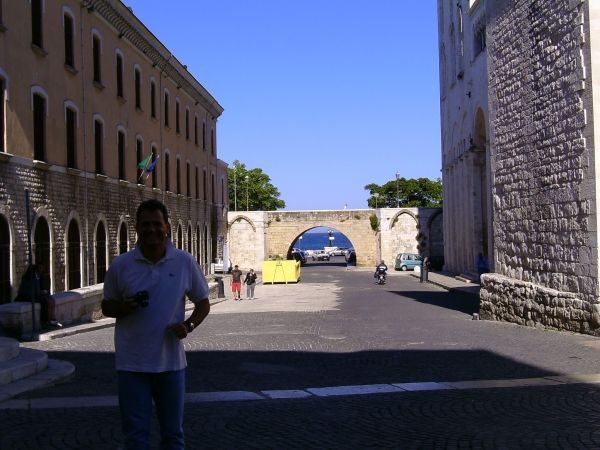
x=201 y=310
x=119 y=309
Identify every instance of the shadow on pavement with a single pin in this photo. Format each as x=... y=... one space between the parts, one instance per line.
x=465 y=303
x=210 y=371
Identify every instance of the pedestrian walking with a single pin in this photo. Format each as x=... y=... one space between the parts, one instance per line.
x=250 y=282
x=145 y=289
x=236 y=283
x=483 y=266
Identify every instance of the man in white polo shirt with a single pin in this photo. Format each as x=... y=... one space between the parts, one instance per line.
x=149 y=353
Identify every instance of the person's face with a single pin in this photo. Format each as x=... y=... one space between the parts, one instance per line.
x=152 y=230
x=39 y=270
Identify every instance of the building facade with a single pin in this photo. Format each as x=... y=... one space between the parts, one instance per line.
x=87 y=94
x=465 y=133
x=539 y=83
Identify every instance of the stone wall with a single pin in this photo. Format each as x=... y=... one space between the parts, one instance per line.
x=542 y=147
x=504 y=298
x=247 y=240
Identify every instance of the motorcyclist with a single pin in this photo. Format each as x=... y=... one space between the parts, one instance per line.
x=381 y=268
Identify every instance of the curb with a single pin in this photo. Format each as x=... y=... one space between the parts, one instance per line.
x=459 y=290
x=93 y=326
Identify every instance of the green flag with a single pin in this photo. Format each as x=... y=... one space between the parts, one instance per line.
x=145 y=162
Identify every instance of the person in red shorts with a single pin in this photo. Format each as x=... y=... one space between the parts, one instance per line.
x=236 y=282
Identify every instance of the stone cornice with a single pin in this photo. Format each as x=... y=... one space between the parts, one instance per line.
x=131 y=28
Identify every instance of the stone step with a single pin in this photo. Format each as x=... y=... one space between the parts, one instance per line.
x=56 y=372
x=468 y=276
x=28 y=362
x=9 y=349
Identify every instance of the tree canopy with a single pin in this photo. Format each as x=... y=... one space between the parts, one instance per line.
x=420 y=192
x=262 y=195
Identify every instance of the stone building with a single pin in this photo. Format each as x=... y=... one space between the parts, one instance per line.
x=465 y=133
x=538 y=80
x=87 y=92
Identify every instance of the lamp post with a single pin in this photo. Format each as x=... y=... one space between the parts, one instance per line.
x=397 y=190
x=247 y=205
x=376 y=195
x=331 y=238
x=234 y=187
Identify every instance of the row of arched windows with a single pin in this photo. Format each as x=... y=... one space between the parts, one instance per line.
x=195 y=241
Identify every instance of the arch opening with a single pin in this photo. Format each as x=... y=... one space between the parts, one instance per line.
x=322 y=244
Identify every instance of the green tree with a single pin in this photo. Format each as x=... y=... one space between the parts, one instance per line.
x=420 y=192
x=262 y=195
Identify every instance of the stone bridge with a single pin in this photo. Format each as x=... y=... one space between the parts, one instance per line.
x=254 y=236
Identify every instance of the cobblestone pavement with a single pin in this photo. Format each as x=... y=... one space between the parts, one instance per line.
x=336 y=328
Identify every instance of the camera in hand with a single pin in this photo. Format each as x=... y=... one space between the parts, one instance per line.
x=141 y=298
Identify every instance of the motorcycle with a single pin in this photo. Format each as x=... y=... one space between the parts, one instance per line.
x=380 y=278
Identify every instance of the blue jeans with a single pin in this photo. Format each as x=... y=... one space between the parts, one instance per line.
x=136 y=392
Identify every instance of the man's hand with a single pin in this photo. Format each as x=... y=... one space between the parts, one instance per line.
x=119 y=309
x=180 y=329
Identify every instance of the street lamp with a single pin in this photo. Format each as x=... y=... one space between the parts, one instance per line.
x=234 y=186
x=331 y=238
x=397 y=190
x=376 y=195
x=247 y=206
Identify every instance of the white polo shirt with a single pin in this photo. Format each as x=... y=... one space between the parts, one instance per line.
x=142 y=341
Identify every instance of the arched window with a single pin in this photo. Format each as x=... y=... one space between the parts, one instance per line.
x=178 y=174
x=71 y=135
x=198 y=250
x=212 y=140
x=153 y=173
x=197 y=182
x=121 y=154
x=187 y=123
x=205 y=249
x=204 y=183
x=189 y=239
x=212 y=188
x=36 y=23
x=166 y=108
x=101 y=252
x=179 y=237
x=5 y=291
x=97 y=57
x=41 y=251
x=123 y=239
x=153 y=99
x=3 y=92
x=69 y=26
x=177 y=129
x=139 y=156
x=195 y=130
x=167 y=174
x=137 y=78
x=39 y=127
x=204 y=135
x=188 y=179
x=98 y=145
x=119 y=66
x=73 y=256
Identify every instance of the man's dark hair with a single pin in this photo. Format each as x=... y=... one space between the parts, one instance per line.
x=151 y=206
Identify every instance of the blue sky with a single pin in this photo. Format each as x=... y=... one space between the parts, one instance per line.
x=325 y=96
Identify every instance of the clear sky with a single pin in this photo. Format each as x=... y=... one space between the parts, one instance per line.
x=326 y=96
